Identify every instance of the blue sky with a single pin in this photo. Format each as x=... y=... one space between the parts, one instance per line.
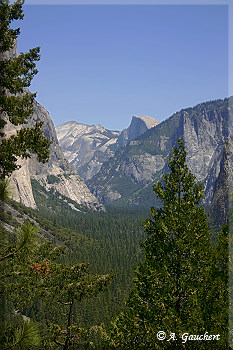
x=103 y=64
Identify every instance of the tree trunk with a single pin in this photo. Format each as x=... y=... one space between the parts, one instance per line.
x=67 y=342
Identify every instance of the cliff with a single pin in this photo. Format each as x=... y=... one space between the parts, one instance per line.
x=137 y=127
x=87 y=147
x=68 y=184
x=130 y=174
x=223 y=188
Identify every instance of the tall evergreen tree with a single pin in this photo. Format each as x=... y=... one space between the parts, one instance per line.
x=16 y=102
x=217 y=302
x=16 y=107
x=173 y=282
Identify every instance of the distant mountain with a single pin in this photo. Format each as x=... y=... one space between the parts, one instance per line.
x=128 y=177
x=137 y=127
x=87 y=147
x=56 y=175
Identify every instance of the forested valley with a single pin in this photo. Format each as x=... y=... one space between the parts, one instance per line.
x=79 y=247
x=75 y=278
x=108 y=241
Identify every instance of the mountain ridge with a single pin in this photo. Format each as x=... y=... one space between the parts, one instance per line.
x=67 y=183
x=203 y=129
x=87 y=147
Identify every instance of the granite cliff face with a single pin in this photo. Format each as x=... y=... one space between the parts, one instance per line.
x=20 y=185
x=57 y=162
x=67 y=182
x=122 y=167
x=129 y=175
x=87 y=147
x=138 y=126
x=223 y=186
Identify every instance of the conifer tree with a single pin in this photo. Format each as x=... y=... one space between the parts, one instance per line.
x=16 y=102
x=16 y=108
x=35 y=279
x=173 y=281
x=217 y=302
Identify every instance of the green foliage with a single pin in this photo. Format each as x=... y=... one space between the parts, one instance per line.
x=138 y=200
x=23 y=337
x=42 y=282
x=216 y=311
x=7 y=14
x=157 y=141
x=25 y=142
x=4 y=190
x=31 y=275
x=20 y=248
x=16 y=72
x=14 y=255
x=108 y=241
x=175 y=287
x=16 y=103
x=51 y=200
x=52 y=179
x=70 y=284
x=29 y=266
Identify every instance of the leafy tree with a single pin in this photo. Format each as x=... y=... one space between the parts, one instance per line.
x=16 y=102
x=174 y=283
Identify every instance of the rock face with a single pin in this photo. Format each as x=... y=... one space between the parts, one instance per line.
x=87 y=147
x=71 y=186
x=67 y=182
x=20 y=184
x=138 y=126
x=224 y=186
x=129 y=175
x=57 y=162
